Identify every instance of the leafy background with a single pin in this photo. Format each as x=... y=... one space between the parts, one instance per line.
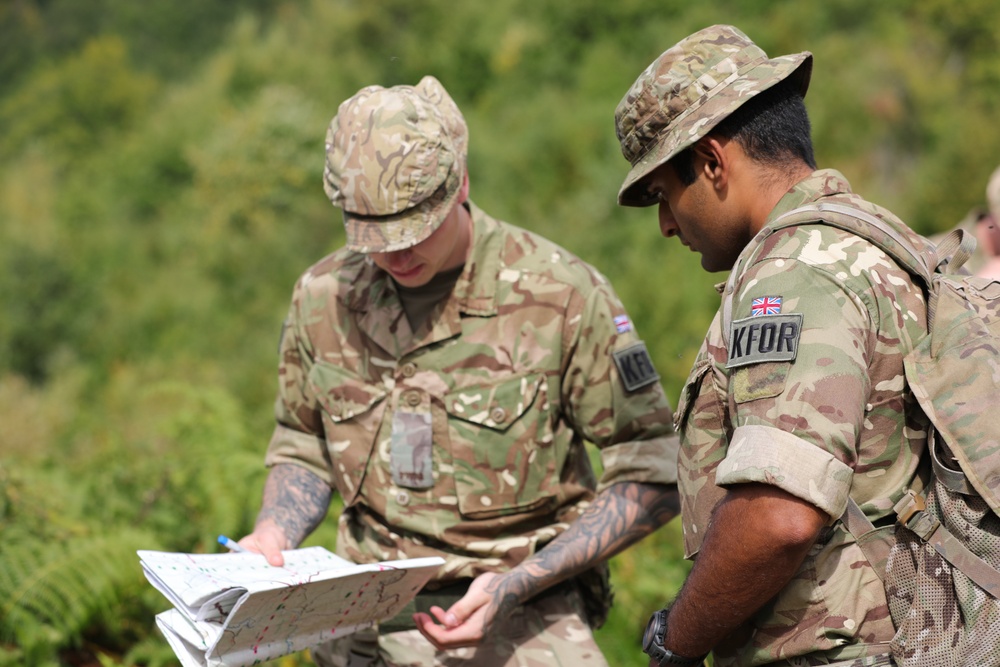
x=160 y=192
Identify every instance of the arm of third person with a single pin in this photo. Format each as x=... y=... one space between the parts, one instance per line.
x=619 y=516
x=756 y=528
x=295 y=502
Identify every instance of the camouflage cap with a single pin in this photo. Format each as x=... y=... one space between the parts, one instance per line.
x=687 y=91
x=993 y=193
x=395 y=160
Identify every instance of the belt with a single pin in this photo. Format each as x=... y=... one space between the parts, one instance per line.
x=441 y=596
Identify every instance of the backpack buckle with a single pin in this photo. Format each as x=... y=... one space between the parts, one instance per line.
x=907 y=506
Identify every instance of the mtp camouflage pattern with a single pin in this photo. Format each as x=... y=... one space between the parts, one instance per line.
x=834 y=421
x=686 y=92
x=941 y=563
x=515 y=372
x=943 y=572
x=395 y=160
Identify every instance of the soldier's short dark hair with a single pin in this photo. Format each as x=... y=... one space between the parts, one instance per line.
x=772 y=128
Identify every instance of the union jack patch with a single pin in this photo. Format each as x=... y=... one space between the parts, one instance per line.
x=623 y=323
x=765 y=305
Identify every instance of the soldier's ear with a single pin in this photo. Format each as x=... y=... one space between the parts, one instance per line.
x=712 y=160
x=463 y=191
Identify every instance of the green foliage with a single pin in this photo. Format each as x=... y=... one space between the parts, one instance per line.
x=61 y=105
x=160 y=172
x=52 y=591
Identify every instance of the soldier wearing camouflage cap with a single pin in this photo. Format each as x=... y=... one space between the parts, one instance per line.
x=442 y=374
x=796 y=401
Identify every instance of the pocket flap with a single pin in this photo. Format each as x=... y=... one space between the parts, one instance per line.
x=494 y=406
x=343 y=394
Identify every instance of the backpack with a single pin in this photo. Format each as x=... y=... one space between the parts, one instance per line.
x=940 y=561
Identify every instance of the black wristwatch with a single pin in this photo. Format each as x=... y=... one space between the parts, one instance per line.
x=652 y=644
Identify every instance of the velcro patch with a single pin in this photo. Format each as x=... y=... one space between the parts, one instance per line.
x=635 y=368
x=764 y=338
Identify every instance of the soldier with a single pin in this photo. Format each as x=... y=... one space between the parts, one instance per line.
x=982 y=223
x=988 y=231
x=800 y=402
x=442 y=374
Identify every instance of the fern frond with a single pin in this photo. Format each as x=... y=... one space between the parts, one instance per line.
x=49 y=592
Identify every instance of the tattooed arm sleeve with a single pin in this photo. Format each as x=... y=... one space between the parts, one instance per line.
x=620 y=516
x=295 y=500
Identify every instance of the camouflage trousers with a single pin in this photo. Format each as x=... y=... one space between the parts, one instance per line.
x=869 y=661
x=548 y=632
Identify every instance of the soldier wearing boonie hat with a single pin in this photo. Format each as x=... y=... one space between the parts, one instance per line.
x=439 y=373
x=687 y=91
x=795 y=403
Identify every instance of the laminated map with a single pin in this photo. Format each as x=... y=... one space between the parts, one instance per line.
x=234 y=609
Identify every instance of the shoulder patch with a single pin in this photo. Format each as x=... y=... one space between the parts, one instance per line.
x=764 y=338
x=635 y=368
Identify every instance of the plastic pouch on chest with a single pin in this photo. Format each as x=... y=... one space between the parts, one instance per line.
x=700 y=421
x=352 y=414
x=503 y=447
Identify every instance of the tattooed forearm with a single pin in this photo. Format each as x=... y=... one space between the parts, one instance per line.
x=619 y=517
x=294 y=499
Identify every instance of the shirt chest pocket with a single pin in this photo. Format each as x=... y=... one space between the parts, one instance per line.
x=502 y=447
x=352 y=414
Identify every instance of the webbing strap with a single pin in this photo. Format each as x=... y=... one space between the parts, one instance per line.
x=862 y=224
x=875 y=543
x=953 y=479
x=952 y=550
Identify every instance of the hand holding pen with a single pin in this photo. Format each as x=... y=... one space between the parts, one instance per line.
x=266 y=540
x=231 y=544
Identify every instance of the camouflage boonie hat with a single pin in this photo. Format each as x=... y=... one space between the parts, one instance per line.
x=395 y=160
x=687 y=91
x=993 y=194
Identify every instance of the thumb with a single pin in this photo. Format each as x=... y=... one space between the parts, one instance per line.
x=266 y=542
x=453 y=617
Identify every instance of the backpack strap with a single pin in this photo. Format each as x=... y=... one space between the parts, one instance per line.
x=860 y=223
x=875 y=543
x=911 y=513
x=866 y=225
x=950 y=256
x=955 y=250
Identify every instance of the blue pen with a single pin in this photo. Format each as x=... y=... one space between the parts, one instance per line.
x=229 y=544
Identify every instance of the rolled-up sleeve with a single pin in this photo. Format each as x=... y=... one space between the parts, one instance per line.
x=771 y=456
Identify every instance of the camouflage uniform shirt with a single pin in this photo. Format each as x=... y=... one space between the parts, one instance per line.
x=509 y=377
x=835 y=421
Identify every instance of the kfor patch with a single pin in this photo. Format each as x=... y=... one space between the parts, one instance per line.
x=635 y=368
x=762 y=338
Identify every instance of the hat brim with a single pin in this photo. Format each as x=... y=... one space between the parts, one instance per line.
x=389 y=233
x=716 y=105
